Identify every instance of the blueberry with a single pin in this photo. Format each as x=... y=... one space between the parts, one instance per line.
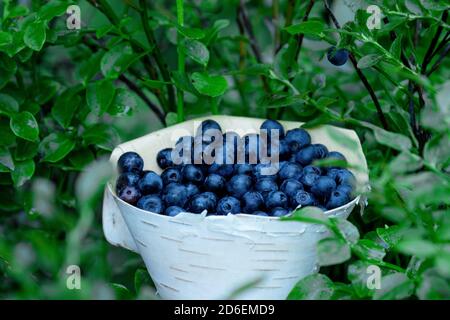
x=303 y=199
x=305 y=155
x=323 y=187
x=201 y=202
x=268 y=125
x=151 y=203
x=345 y=188
x=130 y=194
x=260 y=213
x=211 y=195
x=243 y=168
x=312 y=169
x=172 y=211
x=225 y=170
x=208 y=129
x=171 y=175
x=290 y=170
x=290 y=187
x=279 y=212
x=345 y=176
x=308 y=180
x=191 y=189
x=277 y=199
x=215 y=183
x=228 y=205
x=150 y=182
x=192 y=173
x=297 y=139
x=320 y=151
x=164 y=158
x=338 y=57
x=238 y=185
x=130 y=162
x=283 y=149
x=252 y=201
x=334 y=155
x=265 y=170
x=332 y=172
x=126 y=179
x=265 y=186
x=337 y=199
x=175 y=194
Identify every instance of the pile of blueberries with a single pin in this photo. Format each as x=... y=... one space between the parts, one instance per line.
x=223 y=188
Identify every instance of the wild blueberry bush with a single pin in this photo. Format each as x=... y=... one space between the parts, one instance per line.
x=68 y=95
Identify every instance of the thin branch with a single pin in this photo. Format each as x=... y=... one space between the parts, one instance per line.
x=360 y=74
x=300 y=37
x=439 y=60
x=428 y=55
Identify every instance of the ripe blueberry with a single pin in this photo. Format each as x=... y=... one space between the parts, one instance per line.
x=323 y=187
x=215 y=183
x=345 y=176
x=265 y=170
x=338 y=57
x=303 y=199
x=334 y=155
x=308 y=180
x=269 y=125
x=150 y=182
x=164 y=158
x=126 y=179
x=130 y=194
x=130 y=162
x=320 y=151
x=238 y=185
x=175 y=194
x=201 y=202
x=208 y=129
x=337 y=199
x=345 y=188
x=297 y=139
x=243 y=168
x=279 y=212
x=265 y=186
x=290 y=187
x=151 y=203
x=192 y=173
x=305 y=155
x=171 y=175
x=191 y=190
x=312 y=169
x=290 y=170
x=277 y=199
x=225 y=170
x=252 y=201
x=172 y=211
x=228 y=205
x=260 y=213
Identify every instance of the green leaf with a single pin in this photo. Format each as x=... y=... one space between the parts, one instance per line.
x=102 y=135
x=171 y=118
x=25 y=150
x=8 y=105
x=18 y=11
x=141 y=278
x=281 y=100
x=313 y=287
x=390 y=235
x=154 y=84
x=394 y=286
x=23 y=172
x=124 y=103
x=52 y=9
x=393 y=140
x=34 y=36
x=191 y=33
x=369 y=250
x=369 y=60
x=5 y=38
x=311 y=27
x=116 y=60
x=212 y=86
x=45 y=90
x=55 y=147
x=90 y=67
x=332 y=251
x=396 y=47
x=218 y=25
x=196 y=50
x=65 y=106
x=417 y=247
x=24 y=125
x=99 y=95
x=348 y=230
x=6 y=158
x=437 y=151
x=81 y=158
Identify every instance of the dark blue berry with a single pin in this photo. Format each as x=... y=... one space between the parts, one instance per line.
x=260 y=213
x=279 y=212
x=243 y=168
x=192 y=173
x=308 y=180
x=312 y=169
x=268 y=125
x=335 y=155
x=277 y=199
x=164 y=158
x=265 y=170
x=201 y=202
x=151 y=203
x=238 y=185
x=297 y=139
x=323 y=187
x=172 y=211
x=208 y=129
x=252 y=201
x=345 y=188
x=338 y=57
x=332 y=172
x=130 y=194
x=130 y=162
x=171 y=175
x=284 y=150
x=215 y=183
x=228 y=205
x=303 y=199
x=150 y=182
x=345 y=176
x=126 y=179
x=320 y=151
x=290 y=187
x=191 y=190
x=305 y=155
x=337 y=199
x=265 y=186
x=225 y=170
x=290 y=170
x=175 y=194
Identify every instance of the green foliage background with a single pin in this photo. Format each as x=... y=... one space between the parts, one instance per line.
x=67 y=97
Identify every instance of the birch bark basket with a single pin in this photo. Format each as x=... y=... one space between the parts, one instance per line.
x=194 y=256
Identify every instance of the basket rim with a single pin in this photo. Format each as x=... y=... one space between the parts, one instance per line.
x=244 y=215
